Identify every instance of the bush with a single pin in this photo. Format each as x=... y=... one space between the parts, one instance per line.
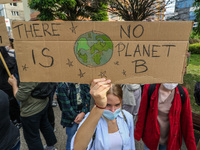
x=192 y=41
x=194 y=48
x=194 y=35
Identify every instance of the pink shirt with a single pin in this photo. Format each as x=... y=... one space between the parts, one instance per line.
x=164 y=106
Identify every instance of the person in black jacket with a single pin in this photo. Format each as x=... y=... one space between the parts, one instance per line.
x=5 y=86
x=9 y=133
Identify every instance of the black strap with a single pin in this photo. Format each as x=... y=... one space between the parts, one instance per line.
x=182 y=93
x=124 y=117
x=150 y=92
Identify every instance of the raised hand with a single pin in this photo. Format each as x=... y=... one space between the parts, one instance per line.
x=98 y=90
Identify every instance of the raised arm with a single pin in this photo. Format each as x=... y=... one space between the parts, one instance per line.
x=13 y=82
x=98 y=90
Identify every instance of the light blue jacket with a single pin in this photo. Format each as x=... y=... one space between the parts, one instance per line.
x=101 y=141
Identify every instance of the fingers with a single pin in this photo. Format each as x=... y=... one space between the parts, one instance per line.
x=95 y=81
x=12 y=80
x=100 y=84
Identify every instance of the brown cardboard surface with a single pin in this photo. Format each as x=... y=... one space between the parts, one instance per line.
x=125 y=52
x=3 y=33
x=9 y=1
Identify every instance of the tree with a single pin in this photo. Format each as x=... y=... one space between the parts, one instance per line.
x=132 y=10
x=50 y=9
x=197 y=13
x=67 y=9
x=101 y=13
x=135 y=10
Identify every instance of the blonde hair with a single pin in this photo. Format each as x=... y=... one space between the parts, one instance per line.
x=116 y=90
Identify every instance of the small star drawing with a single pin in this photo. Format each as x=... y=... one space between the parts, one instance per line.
x=24 y=67
x=73 y=28
x=116 y=63
x=124 y=72
x=81 y=74
x=69 y=63
x=103 y=74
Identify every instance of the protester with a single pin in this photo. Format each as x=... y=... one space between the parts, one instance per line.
x=9 y=134
x=75 y=103
x=50 y=111
x=11 y=63
x=11 y=50
x=106 y=127
x=164 y=117
x=33 y=116
x=131 y=98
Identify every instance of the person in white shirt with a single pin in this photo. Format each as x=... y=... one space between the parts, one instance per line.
x=106 y=127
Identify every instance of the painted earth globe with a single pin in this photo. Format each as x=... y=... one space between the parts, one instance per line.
x=93 y=49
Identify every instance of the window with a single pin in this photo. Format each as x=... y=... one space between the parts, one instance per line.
x=13 y=4
x=15 y=13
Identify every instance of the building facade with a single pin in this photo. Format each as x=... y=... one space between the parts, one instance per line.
x=11 y=12
x=184 y=10
x=160 y=10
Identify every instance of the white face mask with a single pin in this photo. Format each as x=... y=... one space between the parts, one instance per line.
x=170 y=86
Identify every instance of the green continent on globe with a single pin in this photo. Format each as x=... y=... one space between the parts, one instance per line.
x=82 y=44
x=97 y=58
x=84 y=57
x=93 y=49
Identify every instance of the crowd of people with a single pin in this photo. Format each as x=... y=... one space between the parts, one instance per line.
x=159 y=114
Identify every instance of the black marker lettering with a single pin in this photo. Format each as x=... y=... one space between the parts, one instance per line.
x=145 y=50
x=45 y=29
x=1 y=41
x=122 y=29
x=28 y=30
x=119 y=47
x=169 y=48
x=33 y=56
x=18 y=29
x=52 y=25
x=154 y=51
x=127 y=50
x=141 y=65
x=139 y=25
x=52 y=59
x=35 y=30
x=137 y=50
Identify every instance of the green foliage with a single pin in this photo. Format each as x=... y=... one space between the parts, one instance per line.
x=101 y=14
x=194 y=35
x=194 y=48
x=67 y=9
x=197 y=13
x=190 y=79
x=50 y=9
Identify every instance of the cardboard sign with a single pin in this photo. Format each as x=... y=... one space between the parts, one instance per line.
x=4 y=41
x=125 y=52
x=9 y=1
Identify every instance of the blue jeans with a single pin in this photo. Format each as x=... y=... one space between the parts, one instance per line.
x=16 y=146
x=70 y=131
x=161 y=147
x=32 y=126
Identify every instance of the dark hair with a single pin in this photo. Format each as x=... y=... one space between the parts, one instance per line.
x=116 y=90
x=11 y=42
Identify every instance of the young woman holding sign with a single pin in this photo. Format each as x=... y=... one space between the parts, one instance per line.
x=106 y=126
